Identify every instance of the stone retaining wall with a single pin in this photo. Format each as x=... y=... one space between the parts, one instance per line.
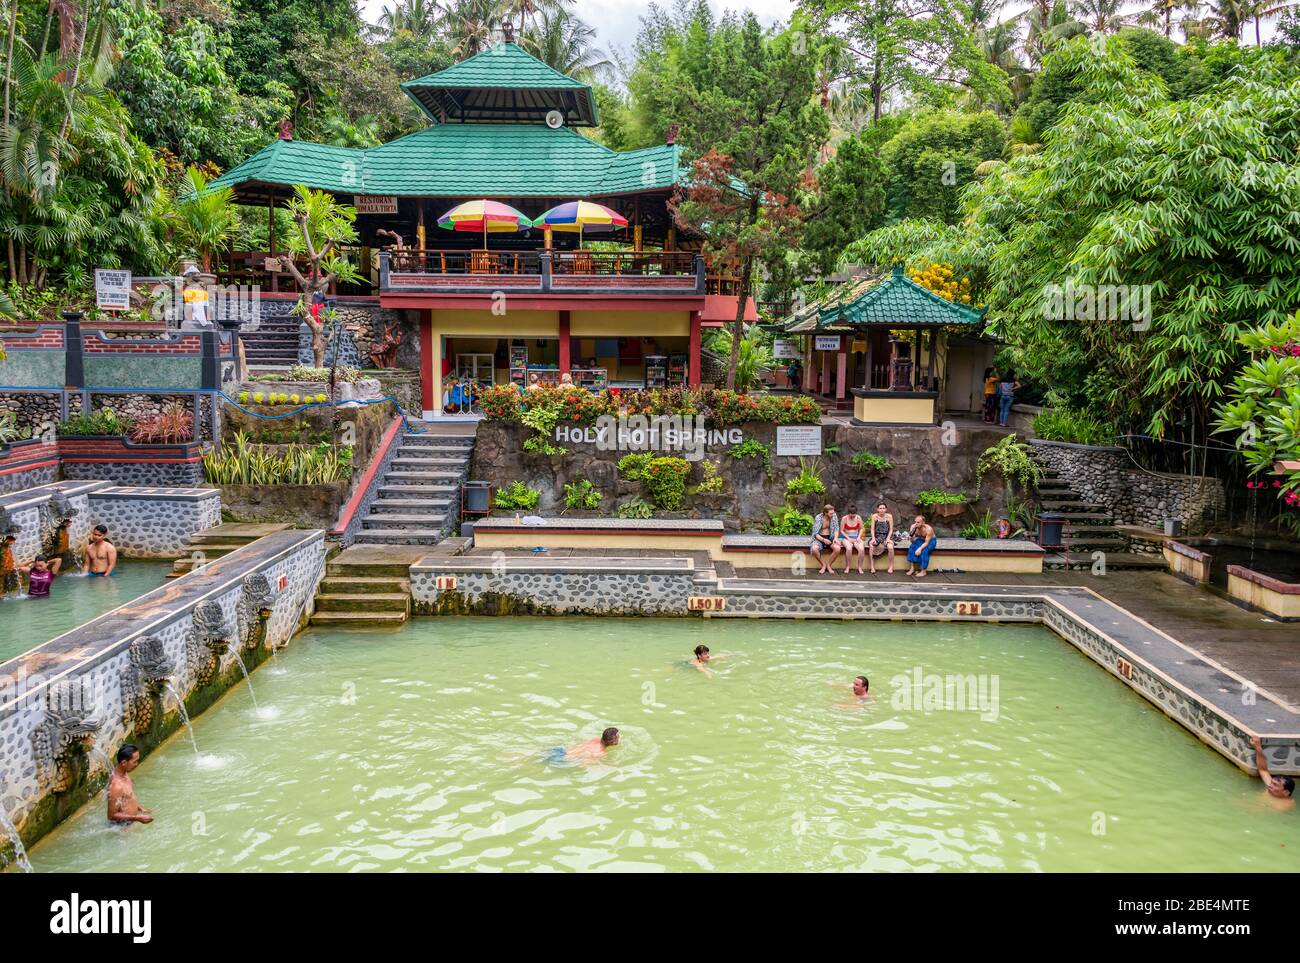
x=110 y=678
x=1107 y=476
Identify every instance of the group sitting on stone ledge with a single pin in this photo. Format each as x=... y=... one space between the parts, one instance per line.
x=850 y=535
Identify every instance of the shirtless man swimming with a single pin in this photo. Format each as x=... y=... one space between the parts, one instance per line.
x=702 y=659
x=123 y=807
x=592 y=748
x=860 y=685
x=101 y=556
x=1281 y=788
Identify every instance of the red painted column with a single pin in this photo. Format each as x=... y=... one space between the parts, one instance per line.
x=566 y=344
x=426 y=360
x=693 y=353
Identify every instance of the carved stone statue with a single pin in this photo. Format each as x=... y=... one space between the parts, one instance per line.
x=253 y=611
x=63 y=737
x=144 y=681
x=383 y=353
x=209 y=638
x=56 y=519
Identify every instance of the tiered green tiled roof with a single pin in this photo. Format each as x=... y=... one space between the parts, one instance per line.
x=895 y=301
x=502 y=83
x=459 y=160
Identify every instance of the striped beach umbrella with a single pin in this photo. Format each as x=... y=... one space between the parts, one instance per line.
x=580 y=216
x=483 y=216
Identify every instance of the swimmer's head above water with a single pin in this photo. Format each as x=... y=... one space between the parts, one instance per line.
x=609 y=737
x=860 y=686
x=702 y=653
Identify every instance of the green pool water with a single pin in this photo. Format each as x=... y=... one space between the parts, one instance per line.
x=73 y=599
x=423 y=749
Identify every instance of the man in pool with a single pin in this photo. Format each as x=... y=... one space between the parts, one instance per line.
x=1279 y=787
x=101 y=556
x=39 y=577
x=859 y=685
x=702 y=659
x=587 y=751
x=123 y=807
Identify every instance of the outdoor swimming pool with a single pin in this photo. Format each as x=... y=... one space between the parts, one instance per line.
x=422 y=749
x=26 y=622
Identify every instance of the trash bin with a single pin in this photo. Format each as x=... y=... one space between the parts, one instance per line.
x=474 y=497
x=1050 y=526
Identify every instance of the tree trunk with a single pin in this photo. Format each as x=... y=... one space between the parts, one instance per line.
x=738 y=326
x=9 y=55
x=877 y=94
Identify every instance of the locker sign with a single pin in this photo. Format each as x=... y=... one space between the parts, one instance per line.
x=970 y=608
x=445 y=583
x=705 y=603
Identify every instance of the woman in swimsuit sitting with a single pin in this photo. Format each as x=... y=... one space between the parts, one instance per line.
x=882 y=537
x=851 y=534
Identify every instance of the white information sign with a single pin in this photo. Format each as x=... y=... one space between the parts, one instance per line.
x=826 y=342
x=799 y=440
x=785 y=350
x=112 y=289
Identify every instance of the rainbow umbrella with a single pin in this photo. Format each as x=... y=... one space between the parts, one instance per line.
x=578 y=216
x=483 y=216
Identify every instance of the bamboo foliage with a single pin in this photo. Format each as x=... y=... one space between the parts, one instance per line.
x=244 y=463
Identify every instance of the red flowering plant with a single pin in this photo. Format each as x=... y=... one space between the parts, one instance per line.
x=500 y=402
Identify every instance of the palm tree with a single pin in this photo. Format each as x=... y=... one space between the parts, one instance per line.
x=526 y=15
x=1049 y=23
x=1101 y=16
x=1228 y=18
x=469 y=25
x=204 y=218
x=418 y=17
x=564 y=42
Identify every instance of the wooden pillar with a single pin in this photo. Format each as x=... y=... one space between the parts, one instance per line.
x=419 y=224
x=841 y=367
x=866 y=378
x=808 y=374
x=270 y=234
x=566 y=344
x=636 y=223
x=693 y=353
x=916 y=359
x=929 y=364
x=430 y=367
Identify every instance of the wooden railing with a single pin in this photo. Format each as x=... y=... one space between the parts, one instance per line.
x=570 y=272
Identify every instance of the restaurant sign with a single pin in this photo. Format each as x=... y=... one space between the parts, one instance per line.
x=375 y=203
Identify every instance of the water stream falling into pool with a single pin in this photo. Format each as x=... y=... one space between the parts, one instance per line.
x=244 y=669
x=185 y=716
x=8 y=829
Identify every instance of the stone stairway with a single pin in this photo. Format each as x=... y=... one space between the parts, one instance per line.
x=274 y=343
x=1089 y=528
x=418 y=499
x=212 y=543
x=369 y=587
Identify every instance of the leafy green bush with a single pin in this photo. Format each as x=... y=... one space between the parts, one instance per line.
x=713 y=482
x=753 y=448
x=870 y=461
x=246 y=464
x=515 y=496
x=808 y=481
x=542 y=419
x=1077 y=427
x=937 y=496
x=665 y=481
x=102 y=422
x=982 y=527
x=635 y=507
x=9 y=430
x=633 y=467
x=1010 y=457
x=787 y=520
x=582 y=494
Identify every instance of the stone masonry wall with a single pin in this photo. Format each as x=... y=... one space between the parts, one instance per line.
x=1106 y=476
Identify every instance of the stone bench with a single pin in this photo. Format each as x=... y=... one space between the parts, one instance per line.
x=968 y=554
x=606 y=534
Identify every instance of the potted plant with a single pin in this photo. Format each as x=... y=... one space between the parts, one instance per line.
x=941 y=504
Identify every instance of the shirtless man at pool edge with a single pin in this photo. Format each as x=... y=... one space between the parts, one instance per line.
x=101 y=556
x=123 y=807
x=1281 y=788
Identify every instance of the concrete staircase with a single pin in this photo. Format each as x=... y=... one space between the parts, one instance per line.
x=212 y=543
x=366 y=587
x=274 y=343
x=1089 y=528
x=418 y=499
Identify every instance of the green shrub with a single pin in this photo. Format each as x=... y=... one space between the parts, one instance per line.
x=937 y=496
x=713 y=482
x=582 y=494
x=753 y=448
x=9 y=430
x=787 y=520
x=245 y=464
x=102 y=422
x=515 y=496
x=665 y=481
x=982 y=527
x=870 y=461
x=633 y=467
x=808 y=481
x=635 y=507
x=1076 y=427
x=1010 y=457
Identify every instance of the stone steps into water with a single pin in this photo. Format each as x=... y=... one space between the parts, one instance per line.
x=366 y=585
x=418 y=499
x=364 y=604
x=358 y=619
x=212 y=543
x=1113 y=561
